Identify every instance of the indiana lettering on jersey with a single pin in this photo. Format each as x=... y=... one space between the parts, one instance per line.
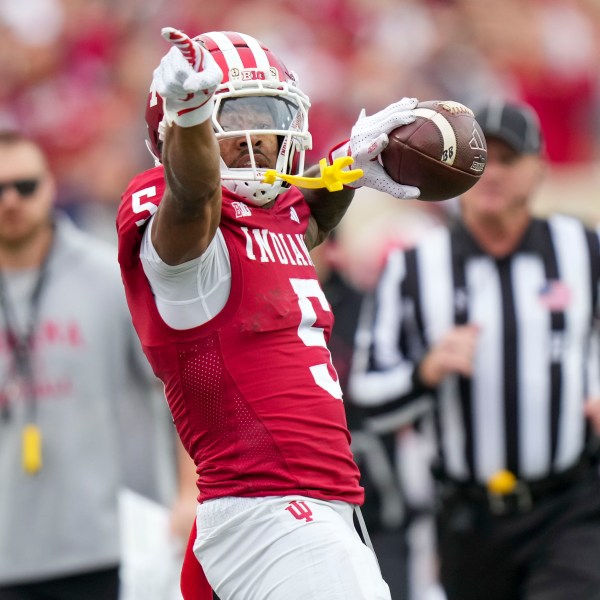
x=268 y=247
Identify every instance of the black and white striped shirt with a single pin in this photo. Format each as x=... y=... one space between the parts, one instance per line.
x=537 y=357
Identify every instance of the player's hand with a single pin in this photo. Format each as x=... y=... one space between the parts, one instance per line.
x=186 y=78
x=453 y=354
x=369 y=138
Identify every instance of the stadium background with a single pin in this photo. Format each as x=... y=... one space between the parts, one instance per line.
x=74 y=74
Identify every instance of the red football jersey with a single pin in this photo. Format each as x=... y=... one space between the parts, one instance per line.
x=253 y=394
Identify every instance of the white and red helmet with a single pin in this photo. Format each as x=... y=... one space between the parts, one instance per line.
x=252 y=77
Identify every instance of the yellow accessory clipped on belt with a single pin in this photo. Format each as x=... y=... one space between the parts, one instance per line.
x=502 y=483
x=32 y=449
x=332 y=177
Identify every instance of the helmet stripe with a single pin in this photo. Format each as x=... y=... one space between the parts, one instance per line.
x=262 y=60
x=235 y=38
x=229 y=51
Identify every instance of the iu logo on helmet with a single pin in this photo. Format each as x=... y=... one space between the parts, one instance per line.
x=300 y=510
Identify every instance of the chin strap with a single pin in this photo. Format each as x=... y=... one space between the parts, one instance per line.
x=332 y=177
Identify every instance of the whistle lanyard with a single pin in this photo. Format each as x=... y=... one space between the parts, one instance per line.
x=21 y=346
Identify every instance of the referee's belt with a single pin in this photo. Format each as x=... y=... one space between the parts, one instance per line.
x=505 y=494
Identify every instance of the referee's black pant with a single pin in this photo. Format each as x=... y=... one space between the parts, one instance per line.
x=549 y=551
x=95 y=585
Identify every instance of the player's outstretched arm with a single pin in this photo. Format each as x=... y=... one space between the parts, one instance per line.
x=369 y=139
x=326 y=208
x=189 y=213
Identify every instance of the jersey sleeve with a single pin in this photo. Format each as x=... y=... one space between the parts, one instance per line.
x=138 y=203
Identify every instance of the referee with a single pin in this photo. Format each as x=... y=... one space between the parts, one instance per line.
x=495 y=318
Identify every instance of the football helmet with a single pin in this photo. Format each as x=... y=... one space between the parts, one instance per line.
x=258 y=96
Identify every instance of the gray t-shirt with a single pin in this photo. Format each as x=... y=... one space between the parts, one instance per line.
x=92 y=383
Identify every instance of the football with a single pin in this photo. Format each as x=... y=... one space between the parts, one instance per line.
x=443 y=152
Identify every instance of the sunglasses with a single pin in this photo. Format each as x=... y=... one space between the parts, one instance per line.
x=25 y=187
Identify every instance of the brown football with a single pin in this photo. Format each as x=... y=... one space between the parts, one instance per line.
x=443 y=152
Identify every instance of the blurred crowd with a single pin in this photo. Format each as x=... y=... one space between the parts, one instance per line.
x=75 y=77
x=75 y=74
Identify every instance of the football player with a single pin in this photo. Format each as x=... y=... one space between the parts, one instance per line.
x=214 y=251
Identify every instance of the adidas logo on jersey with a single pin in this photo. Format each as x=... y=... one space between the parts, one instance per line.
x=294 y=215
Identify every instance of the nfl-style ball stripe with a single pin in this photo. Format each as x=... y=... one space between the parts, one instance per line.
x=448 y=136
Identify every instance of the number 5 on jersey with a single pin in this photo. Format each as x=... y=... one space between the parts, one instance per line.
x=139 y=207
x=314 y=336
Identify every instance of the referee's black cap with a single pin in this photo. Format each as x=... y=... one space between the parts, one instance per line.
x=515 y=124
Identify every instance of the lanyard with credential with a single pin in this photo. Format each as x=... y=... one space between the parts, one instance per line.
x=21 y=347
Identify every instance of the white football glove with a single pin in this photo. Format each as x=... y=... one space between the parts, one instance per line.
x=368 y=139
x=186 y=78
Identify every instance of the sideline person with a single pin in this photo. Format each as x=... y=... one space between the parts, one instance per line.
x=71 y=368
x=493 y=317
